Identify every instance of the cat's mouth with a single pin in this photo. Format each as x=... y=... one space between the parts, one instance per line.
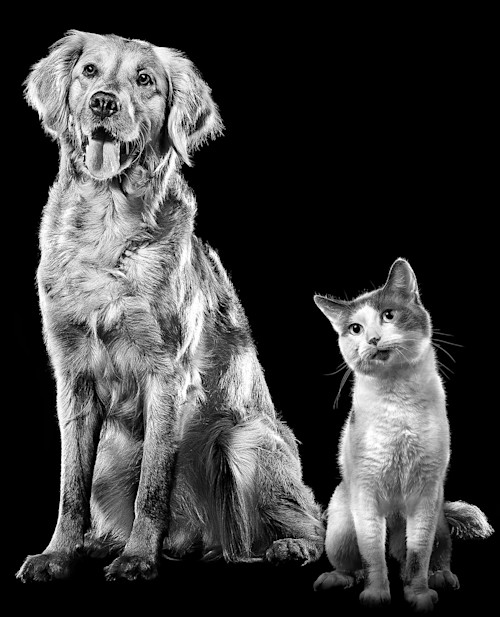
x=381 y=355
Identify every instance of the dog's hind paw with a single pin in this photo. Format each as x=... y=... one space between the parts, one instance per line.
x=292 y=550
x=46 y=567
x=131 y=568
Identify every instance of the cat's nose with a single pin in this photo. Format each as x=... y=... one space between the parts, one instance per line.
x=374 y=340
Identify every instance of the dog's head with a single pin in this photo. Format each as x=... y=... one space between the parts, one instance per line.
x=116 y=101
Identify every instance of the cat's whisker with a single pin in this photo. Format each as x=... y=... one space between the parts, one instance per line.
x=444 y=370
x=340 y=367
x=441 y=333
x=443 y=350
x=342 y=384
x=401 y=353
x=447 y=342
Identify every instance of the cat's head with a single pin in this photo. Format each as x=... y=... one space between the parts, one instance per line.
x=381 y=329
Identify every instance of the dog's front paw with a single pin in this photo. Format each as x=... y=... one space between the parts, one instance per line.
x=443 y=579
x=292 y=550
x=131 y=568
x=46 y=567
x=421 y=601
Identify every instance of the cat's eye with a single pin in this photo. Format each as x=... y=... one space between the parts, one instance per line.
x=89 y=70
x=388 y=315
x=355 y=328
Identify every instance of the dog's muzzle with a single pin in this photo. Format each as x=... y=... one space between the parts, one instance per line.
x=104 y=104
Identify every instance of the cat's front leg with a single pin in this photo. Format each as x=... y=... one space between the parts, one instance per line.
x=370 y=527
x=421 y=523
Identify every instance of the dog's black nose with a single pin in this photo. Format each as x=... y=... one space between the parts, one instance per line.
x=104 y=104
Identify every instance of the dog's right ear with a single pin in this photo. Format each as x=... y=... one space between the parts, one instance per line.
x=47 y=85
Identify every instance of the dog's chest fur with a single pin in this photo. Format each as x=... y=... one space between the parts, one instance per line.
x=105 y=291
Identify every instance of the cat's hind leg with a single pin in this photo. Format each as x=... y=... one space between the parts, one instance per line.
x=440 y=575
x=341 y=544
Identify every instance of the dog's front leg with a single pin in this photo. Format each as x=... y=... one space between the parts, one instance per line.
x=80 y=420
x=140 y=556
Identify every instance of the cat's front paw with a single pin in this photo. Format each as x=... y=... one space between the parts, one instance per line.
x=46 y=567
x=443 y=579
x=373 y=597
x=421 y=601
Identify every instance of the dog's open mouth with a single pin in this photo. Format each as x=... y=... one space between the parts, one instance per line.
x=106 y=155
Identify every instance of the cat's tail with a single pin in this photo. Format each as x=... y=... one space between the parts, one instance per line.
x=466 y=521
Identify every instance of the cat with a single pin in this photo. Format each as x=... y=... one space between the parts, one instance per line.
x=394 y=450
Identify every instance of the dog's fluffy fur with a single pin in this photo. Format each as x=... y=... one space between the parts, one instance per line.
x=169 y=436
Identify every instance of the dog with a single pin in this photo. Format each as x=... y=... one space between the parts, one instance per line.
x=170 y=441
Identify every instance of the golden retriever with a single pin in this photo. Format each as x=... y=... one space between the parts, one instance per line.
x=170 y=440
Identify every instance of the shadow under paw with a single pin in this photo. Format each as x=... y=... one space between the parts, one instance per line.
x=421 y=602
x=293 y=551
x=443 y=580
x=333 y=580
x=374 y=598
x=131 y=568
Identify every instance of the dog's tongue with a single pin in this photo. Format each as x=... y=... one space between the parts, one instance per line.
x=102 y=157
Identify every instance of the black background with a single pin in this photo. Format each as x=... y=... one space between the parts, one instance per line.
x=350 y=140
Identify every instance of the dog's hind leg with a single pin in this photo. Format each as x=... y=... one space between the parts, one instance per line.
x=251 y=501
x=219 y=460
x=290 y=523
x=114 y=487
x=184 y=537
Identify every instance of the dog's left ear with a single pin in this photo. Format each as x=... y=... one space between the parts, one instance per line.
x=193 y=116
x=47 y=85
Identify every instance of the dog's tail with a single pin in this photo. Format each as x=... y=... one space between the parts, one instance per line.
x=466 y=521
x=229 y=459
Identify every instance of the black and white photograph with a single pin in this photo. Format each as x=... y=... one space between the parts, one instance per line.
x=251 y=311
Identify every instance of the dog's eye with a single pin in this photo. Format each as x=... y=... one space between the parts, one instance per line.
x=90 y=70
x=143 y=79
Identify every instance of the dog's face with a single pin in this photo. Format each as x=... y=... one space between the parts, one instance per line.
x=117 y=101
x=117 y=98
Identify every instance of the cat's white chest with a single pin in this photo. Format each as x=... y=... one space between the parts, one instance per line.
x=396 y=441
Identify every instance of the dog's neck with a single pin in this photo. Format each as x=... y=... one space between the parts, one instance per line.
x=116 y=217
x=149 y=185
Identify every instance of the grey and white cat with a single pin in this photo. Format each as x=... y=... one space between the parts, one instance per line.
x=394 y=450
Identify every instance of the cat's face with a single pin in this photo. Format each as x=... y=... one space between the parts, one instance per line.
x=382 y=329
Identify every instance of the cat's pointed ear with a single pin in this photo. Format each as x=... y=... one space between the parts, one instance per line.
x=402 y=279
x=334 y=310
